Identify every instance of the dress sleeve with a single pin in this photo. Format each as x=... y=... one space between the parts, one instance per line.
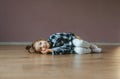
x=61 y=50
x=52 y=40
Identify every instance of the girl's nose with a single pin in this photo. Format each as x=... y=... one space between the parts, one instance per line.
x=43 y=45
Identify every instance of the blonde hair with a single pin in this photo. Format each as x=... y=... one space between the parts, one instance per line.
x=31 y=49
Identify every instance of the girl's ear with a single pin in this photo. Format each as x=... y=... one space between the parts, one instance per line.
x=29 y=49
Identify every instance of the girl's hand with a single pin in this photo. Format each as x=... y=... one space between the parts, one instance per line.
x=78 y=37
x=46 y=51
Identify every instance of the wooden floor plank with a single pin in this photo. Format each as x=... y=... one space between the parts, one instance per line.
x=16 y=63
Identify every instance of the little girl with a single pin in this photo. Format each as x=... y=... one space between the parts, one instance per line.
x=62 y=43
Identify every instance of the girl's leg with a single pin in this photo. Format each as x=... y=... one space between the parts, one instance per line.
x=80 y=50
x=84 y=44
x=80 y=43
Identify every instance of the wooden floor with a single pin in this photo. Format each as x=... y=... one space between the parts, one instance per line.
x=15 y=63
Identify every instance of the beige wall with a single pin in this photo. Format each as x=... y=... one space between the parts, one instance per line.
x=28 y=20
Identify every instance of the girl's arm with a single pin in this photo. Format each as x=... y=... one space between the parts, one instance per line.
x=61 y=50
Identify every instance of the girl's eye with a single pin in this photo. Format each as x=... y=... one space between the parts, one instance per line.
x=40 y=43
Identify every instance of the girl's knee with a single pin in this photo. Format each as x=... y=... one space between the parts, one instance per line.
x=80 y=43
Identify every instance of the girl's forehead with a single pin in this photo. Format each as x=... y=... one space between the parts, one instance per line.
x=41 y=41
x=37 y=42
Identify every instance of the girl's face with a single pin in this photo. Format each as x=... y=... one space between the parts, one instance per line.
x=41 y=45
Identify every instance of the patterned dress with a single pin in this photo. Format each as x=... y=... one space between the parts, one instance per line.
x=61 y=43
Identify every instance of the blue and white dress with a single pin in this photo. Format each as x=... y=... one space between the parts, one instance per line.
x=61 y=43
x=68 y=43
